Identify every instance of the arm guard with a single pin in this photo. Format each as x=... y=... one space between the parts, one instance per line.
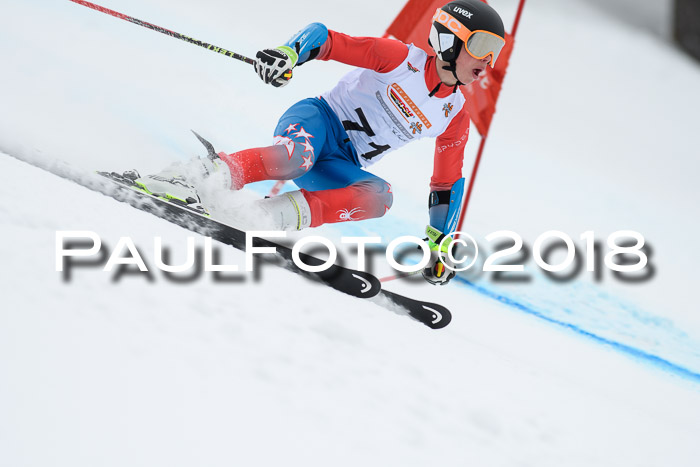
x=445 y=207
x=306 y=44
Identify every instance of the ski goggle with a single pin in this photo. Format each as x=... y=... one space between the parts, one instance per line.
x=479 y=43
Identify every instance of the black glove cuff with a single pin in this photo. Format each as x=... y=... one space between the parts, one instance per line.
x=438 y=197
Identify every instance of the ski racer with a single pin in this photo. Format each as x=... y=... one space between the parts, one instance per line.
x=397 y=94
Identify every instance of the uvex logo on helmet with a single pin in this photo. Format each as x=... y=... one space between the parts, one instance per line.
x=462 y=12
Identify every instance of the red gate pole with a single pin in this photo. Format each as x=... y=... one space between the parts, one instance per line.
x=477 y=161
x=468 y=195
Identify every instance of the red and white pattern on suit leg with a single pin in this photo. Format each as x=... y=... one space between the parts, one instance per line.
x=366 y=199
x=291 y=156
x=299 y=147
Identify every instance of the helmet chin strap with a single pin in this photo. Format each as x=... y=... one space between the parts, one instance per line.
x=453 y=68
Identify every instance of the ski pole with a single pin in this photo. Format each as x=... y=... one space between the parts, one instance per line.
x=168 y=32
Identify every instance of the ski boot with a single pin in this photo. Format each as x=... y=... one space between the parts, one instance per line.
x=288 y=211
x=178 y=183
x=169 y=186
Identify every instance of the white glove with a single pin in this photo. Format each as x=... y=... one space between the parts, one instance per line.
x=440 y=268
x=274 y=66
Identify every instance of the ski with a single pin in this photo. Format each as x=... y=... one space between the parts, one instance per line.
x=352 y=282
x=431 y=314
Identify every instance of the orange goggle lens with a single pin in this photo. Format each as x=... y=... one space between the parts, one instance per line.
x=484 y=43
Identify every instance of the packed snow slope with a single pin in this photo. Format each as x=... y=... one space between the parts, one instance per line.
x=594 y=132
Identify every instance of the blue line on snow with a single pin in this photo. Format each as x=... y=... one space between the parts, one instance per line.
x=654 y=359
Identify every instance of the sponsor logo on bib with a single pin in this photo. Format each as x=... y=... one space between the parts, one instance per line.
x=399 y=104
x=401 y=100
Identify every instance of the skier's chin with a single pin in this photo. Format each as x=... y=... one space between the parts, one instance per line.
x=468 y=80
x=454 y=82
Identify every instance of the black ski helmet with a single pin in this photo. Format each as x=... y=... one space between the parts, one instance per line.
x=473 y=15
